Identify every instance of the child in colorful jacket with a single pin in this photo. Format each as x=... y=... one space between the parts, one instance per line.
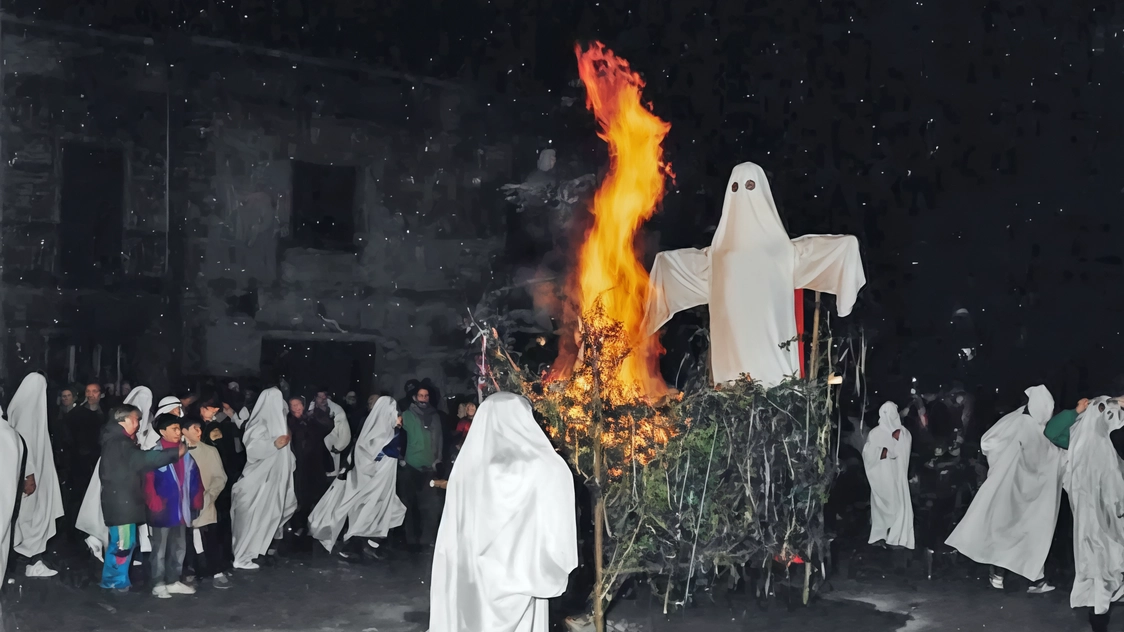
x=174 y=496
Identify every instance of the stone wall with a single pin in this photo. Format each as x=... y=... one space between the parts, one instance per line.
x=82 y=89
x=428 y=222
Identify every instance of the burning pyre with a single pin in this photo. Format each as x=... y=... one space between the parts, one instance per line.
x=612 y=364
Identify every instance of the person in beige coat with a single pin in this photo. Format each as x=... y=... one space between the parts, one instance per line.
x=205 y=548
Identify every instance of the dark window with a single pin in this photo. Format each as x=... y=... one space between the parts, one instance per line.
x=91 y=214
x=323 y=214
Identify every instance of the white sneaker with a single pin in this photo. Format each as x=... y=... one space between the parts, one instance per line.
x=996 y=581
x=1039 y=589
x=372 y=544
x=160 y=591
x=180 y=588
x=39 y=569
x=246 y=566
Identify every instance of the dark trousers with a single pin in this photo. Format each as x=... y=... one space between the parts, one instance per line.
x=225 y=530
x=211 y=561
x=1098 y=622
x=169 y=546
x=423 y=508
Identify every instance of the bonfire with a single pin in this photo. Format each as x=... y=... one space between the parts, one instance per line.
x=714 y=480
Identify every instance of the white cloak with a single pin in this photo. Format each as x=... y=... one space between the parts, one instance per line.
x=1011 y=521
x=38 y=512
x=366 y=500
x=340 y=437
x=263 y=500
x=91 y=520
x=508 y=535
x=1095 y=483
x=748 y=276
x=11 y=456
x=891 y=510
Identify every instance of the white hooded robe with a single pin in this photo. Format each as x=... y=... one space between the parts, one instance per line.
x=263 y=500
x=891 y=509
x=1011 y=521
x=508 y=535
x=366 y=500
x=38 y=512
x=340 y=436
x=1095 y=483
x=11 y=457
x=747 y=276
x=91 y=520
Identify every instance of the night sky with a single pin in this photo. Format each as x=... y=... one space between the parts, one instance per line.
x=975 y=148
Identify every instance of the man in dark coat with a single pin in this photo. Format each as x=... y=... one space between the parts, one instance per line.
x=81 y=431
x=122 y=491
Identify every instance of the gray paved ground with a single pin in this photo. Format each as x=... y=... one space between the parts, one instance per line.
x=317 y=593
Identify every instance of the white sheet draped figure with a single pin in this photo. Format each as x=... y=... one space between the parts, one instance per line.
x=1011 y=521
x=366 y=499
x=11 y=457
x=38 y=512
x=748 y=276
x=340 y=436
x=891 y=510
x=263 y=500
x=90 y=519
x=1095 y=483
x=508 y=535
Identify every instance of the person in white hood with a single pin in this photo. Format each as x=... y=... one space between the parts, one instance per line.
x=38 y=512
x=886 y=457
x=364 y=498
x=1010 y=523
x=13 y=464
x=264 y=498
x=1094 y=479
x=508 y=536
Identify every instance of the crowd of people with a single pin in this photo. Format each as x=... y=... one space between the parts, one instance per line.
x=200 y=484
x=205 y=484
x=1033 y=458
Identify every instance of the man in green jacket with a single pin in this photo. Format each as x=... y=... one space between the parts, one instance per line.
x=1057 y=429
x=416 y=487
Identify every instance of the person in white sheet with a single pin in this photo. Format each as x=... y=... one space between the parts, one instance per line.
x=365 y=496
x=1010 y=523
x=12 y=466
x=886 y=457
x=747 y=276
x=91 y=520
x=508 y=536
x=263 y=499
x=38 y=512
x=1094 y=480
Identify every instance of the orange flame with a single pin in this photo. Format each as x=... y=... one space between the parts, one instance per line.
x=608 y=268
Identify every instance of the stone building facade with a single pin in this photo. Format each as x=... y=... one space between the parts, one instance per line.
x=186 y=206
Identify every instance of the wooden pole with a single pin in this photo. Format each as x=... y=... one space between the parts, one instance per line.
x=599 y=503
x=815 y=339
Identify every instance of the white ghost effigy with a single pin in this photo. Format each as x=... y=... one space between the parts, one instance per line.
x=891 y=508
x=1095 y=483
x=747 y=276
x=38 y=512
x=1011 y=521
